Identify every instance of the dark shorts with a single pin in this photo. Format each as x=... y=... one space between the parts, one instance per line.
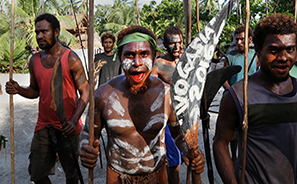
x=43 y=157
x=116 y=177
x=174 y=156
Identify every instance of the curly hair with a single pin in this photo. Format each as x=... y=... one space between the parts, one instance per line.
x=173 y=30
x=134 y=29
x=274 y=24
x=107 y=35
x=241 y=29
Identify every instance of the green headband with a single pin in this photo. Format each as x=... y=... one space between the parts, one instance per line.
x=137 y=37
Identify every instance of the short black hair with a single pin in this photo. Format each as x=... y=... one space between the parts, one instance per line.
x=173 y=30
x=54 y=22
x=273 y=24
x=241 y=29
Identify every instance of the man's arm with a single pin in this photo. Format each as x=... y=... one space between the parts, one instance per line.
x=226 y=123
x=32 y=91
x=78 y=75
x=197 y=164
x=226 y=63
x=89 y=154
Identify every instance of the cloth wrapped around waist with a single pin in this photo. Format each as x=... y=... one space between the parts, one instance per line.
x=115 y=177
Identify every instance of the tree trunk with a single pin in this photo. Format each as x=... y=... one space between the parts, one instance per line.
x=295 y=9
x=187 y=13
x=42 y=6
x=137 y=10
x=275 y=6
x=266 y=7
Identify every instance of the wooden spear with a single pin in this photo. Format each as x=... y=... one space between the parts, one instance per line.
x=91 y=81
x=11 y=96
x=245 y=117
x=197 y=15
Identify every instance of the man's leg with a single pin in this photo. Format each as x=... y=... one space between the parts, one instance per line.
x=42 y=158
x=173 y=174
x=66 y=159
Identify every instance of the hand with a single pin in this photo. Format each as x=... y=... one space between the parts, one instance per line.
x=197 y=163
x=70 y=128
x=89 y=154
x=12 y=87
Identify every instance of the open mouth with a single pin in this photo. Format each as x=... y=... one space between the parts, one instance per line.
x=137 y=76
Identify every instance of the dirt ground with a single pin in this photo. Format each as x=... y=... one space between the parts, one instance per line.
x=25 y=116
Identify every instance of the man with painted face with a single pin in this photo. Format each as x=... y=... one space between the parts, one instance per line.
x=164 y=68
x=110 y=68
x=42 y=153
x=271 y=154
x=135 y=108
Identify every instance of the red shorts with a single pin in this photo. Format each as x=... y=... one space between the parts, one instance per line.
x=116 y=177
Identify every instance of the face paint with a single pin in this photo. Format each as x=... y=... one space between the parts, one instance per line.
x=174 y=45
x=127 y=63
x=148 y=63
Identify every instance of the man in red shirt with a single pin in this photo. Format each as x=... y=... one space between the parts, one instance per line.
x=43 y=153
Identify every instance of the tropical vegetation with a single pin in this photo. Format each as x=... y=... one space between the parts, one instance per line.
x=120 y=15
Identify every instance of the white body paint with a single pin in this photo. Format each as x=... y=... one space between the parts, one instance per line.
x=114 y=100
x=159 y=100
x=140 y=155
x=121 y=123
x=156 y=119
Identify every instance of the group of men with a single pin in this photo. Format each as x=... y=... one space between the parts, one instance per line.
x=136 y=110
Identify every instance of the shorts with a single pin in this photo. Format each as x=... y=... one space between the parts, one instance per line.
x=174 y=156
x=115 y=177
x=43 y=157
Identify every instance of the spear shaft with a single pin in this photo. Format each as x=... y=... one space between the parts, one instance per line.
x=11 y=95
x=245 y=117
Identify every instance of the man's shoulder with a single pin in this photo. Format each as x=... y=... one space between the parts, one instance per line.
x=231 y=52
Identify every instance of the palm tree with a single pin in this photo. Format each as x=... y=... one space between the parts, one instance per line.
x=122 y=16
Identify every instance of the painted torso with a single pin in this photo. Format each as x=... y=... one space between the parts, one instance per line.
x=135 y=125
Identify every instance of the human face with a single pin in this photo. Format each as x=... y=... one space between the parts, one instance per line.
x=45 y=36
x=278 y=56
x=174 y=45
x=108 y=45
x=240 y=41
x=137 y=62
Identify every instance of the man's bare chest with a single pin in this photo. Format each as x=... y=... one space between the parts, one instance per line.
x=144 y=115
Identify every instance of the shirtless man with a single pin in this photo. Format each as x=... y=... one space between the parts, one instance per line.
x=134 y=108
x=271 y=155
x=164 y=68
x=42 y=154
